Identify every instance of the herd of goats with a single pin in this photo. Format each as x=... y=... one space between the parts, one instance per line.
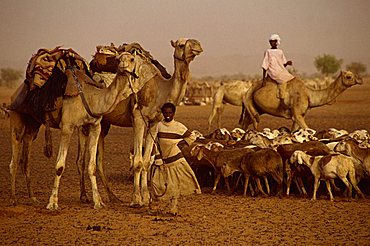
x=61 y=92
x=280 y=157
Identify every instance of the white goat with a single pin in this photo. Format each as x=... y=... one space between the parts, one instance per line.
x=329 y=167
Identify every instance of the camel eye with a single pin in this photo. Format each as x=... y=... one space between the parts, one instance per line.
x=182 y=45
x=132 y=60
x=348 y=77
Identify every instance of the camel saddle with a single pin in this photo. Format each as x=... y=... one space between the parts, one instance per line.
x=46 y=82
x=104 y=60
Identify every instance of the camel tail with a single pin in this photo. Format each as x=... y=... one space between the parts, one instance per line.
x=48 y=149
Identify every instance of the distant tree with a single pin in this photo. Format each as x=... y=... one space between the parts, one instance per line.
x=10 y=77
x=327 y=64
x=357 y=68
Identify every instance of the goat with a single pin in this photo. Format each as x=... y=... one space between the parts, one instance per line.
x=286 y=150
x=327 y=168
x=217 y=159
x=257 y=163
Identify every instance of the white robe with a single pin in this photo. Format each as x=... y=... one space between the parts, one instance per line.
x=273 y=62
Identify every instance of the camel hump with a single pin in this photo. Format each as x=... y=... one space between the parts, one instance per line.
x=105 y=60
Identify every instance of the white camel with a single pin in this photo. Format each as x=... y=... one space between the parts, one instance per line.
x=144 y=115
x=232 y=93
x=84 y=111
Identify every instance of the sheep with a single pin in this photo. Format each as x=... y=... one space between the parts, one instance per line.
x=286 y=150
x=255 y=138
x=257 y=163
x=304 y=135
x=220 y=134
x=217 y=159
x=350 y=147
x=327 y=168
x=237 y=134
x=362 y=136
x=330 y=133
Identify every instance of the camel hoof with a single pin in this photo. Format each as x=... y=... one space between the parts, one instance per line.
x=135 y=205
x=99 y=206
x=52 y=206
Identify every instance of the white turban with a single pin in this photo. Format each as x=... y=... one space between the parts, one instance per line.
x=275 y=37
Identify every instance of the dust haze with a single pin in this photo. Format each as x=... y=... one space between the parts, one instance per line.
x=234 y=34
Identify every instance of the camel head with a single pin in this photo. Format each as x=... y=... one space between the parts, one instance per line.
x=128 y=63
x=186 y=49
x=349 y=79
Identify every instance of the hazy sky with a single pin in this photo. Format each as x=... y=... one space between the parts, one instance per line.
x=225 y=28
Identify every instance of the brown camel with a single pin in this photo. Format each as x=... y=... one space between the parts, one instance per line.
x=85 y=112
x=300 y=99
x=232 y=93
x=142 y=112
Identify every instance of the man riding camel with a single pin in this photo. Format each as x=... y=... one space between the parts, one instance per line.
x=274 y=63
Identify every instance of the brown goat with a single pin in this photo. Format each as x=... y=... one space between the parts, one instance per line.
x=217 y=159
x=258 y=163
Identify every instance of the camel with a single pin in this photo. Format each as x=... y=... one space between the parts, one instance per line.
x=300 y=99
x=142 y=112
x=85 y=112
x=232 y=93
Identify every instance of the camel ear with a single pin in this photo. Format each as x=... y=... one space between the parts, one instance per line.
x=200 y=154
x=173 y=43
x=299 y=157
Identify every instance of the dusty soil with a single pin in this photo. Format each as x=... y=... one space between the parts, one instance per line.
x=203 y=219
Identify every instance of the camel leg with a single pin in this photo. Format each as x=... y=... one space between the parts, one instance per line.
x=152 y=134
x=298 y=115
x=80 y=163
x=65 y=138
x=217 y=108
x=17 y=133
x=31 y=134
x=139 y=128
x=100 y=164
x=220 y=110
x=92 y=144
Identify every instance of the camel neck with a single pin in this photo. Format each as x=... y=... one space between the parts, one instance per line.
x=325 y=96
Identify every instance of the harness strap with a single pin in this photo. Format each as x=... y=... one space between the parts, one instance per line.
x=81 y=93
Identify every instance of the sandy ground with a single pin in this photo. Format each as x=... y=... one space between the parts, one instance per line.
x=205 y=219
